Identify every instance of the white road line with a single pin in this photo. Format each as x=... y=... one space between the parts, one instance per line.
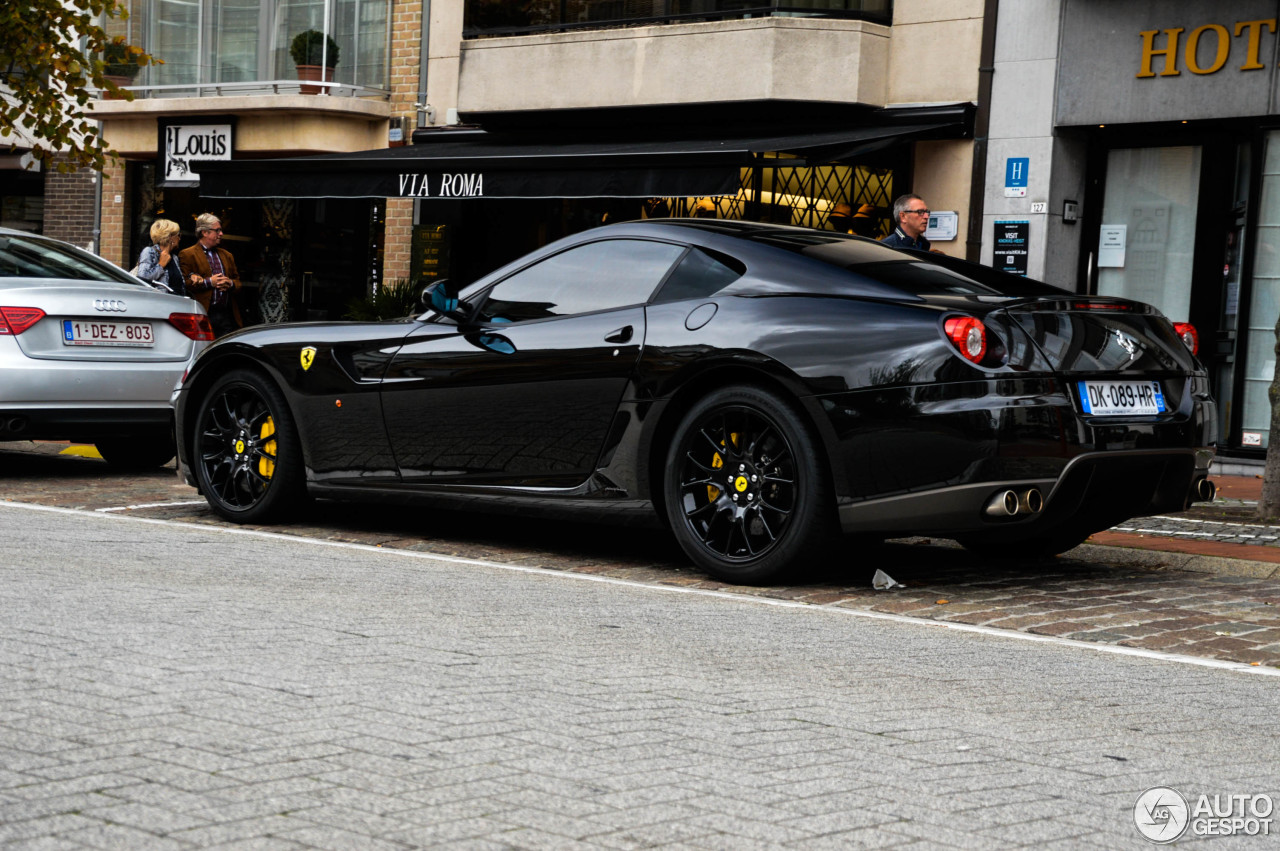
x=149 y=505
x=1138 y=652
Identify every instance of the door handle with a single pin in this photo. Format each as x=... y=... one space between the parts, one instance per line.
x=622 y=335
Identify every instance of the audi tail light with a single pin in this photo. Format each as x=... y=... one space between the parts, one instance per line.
x=194 y=325
x=969 y=335
x=15 y=320
x=1187 y=332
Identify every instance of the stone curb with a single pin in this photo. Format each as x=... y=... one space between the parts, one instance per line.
x=1155 y=559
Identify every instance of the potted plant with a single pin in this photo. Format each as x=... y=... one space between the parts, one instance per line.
x=119 y=66
x=309 y=51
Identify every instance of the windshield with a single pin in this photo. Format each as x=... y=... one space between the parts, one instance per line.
x=33 y=257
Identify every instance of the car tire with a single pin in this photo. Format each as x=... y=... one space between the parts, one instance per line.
x=745 y=491
x=143 y=452
x=246 y=452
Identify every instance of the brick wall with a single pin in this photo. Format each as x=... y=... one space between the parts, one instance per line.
x=406 y=56
x=69 y=203
x=115 y=215
x=397 y=255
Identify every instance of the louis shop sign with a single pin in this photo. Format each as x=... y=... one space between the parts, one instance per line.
x=185 y=145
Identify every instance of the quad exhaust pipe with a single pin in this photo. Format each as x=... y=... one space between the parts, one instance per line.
x=1203 y=491
x=1010 y=503
x=13 y=425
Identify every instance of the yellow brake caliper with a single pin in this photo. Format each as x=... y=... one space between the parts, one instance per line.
x=266 y=466
x=713 y=492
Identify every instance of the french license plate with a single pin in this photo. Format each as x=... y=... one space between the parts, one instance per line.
x=78 y=333
x=1110 y=398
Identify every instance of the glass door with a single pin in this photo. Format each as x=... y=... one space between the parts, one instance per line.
x=1149 y=227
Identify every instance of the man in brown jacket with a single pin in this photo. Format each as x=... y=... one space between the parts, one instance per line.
x=212 y=278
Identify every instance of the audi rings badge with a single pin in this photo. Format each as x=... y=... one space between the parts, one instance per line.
x=112 y=305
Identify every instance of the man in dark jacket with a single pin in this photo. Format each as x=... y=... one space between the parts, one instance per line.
x=912 y=217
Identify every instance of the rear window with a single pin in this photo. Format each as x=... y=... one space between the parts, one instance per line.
x=916 y=273
x=32 y=257
x=700 y=274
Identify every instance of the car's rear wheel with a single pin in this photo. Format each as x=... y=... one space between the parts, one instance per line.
x=245 y=450
x=744 y=491
x=141 y=452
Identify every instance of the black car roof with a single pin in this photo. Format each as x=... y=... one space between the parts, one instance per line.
x=909 y=273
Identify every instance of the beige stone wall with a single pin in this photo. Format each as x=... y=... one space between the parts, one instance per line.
x=943 y=175
x=280 y=125
x=444 y=58
x=740 y=60
x=935 y=50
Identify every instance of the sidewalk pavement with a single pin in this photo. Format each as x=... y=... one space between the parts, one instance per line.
x=1227 y=528
x=1223 y=537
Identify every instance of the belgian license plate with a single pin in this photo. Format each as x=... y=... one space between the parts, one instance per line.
x=79 y=333
x=1111 y=398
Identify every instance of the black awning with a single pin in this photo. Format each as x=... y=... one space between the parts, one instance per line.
x=468 y=163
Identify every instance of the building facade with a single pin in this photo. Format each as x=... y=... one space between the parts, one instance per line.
x=1149 y=132
x=856 y=88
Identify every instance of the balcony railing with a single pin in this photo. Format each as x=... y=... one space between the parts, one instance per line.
x=255 y=87
x=483 y=18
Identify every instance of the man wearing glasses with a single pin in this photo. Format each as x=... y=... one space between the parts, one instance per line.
x=912 y=216
x=212 y=278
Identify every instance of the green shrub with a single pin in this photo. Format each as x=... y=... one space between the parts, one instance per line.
x=398 y=301
x=308 y=49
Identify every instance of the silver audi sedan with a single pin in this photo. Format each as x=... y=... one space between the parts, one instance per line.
x=89 y=353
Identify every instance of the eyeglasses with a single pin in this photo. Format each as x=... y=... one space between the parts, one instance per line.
x=921 y=212
x=214 y=230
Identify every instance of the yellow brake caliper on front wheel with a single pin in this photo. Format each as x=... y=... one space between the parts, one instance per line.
x=713 y=492
x=267 y=466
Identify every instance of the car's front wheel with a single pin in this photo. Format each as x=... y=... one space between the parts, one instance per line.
x=745 y=492
x=245 y=450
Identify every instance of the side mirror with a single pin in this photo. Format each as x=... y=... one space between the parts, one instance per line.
x=443 y=299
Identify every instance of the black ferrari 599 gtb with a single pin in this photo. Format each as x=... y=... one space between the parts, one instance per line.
x=760 y=389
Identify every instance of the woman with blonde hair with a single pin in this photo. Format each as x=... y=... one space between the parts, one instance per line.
x=158 y=263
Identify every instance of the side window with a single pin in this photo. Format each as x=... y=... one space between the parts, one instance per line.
x=596 y=276
x=699 y=275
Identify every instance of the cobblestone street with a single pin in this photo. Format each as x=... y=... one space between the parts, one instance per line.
x=1184 y=602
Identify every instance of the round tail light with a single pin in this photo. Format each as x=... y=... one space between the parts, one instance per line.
x=968 y=335
x=1187 y=332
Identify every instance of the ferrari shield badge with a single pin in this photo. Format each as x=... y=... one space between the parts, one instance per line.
x=308 y=357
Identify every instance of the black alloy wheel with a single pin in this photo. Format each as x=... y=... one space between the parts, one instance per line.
x=745 y=493
x=245 y=450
